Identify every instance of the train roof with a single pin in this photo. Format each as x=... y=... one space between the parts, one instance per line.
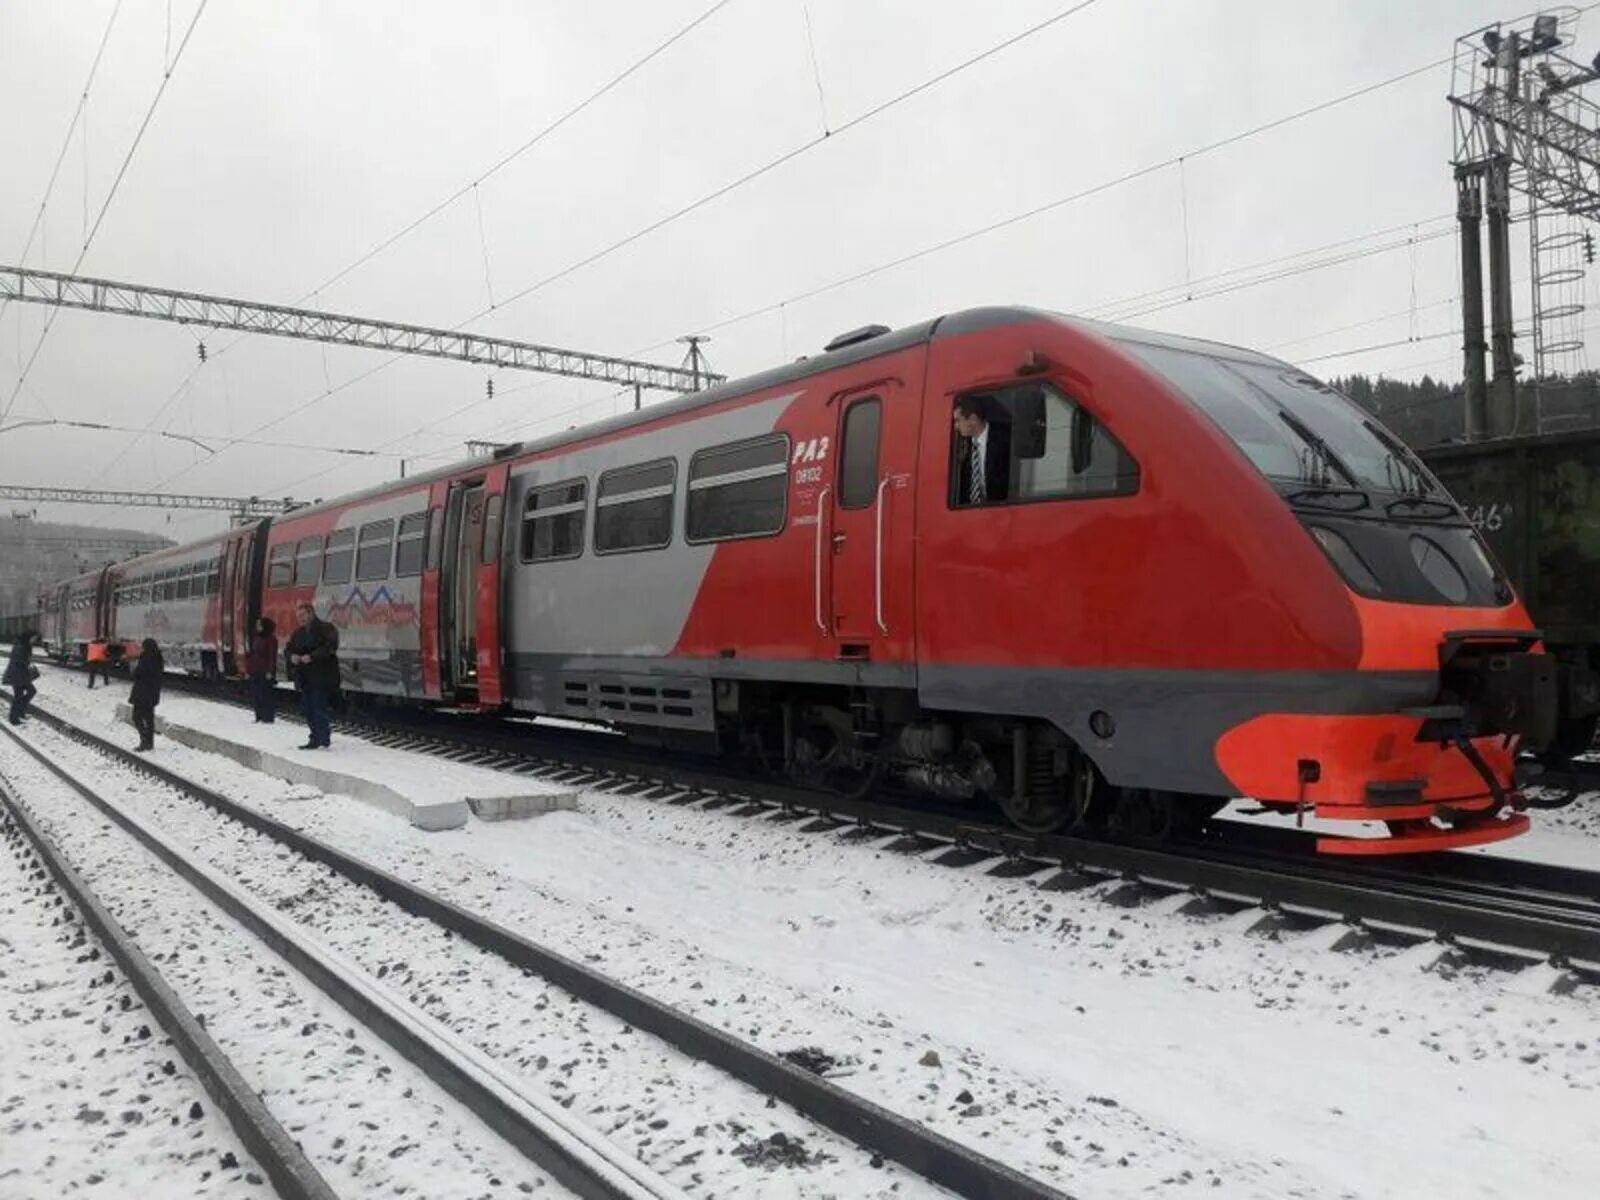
x=956 y=324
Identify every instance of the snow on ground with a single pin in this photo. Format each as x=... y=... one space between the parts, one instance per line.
x=92 y=1091
x=370 y=1122
x=1115 y=1052
x=685 y=1121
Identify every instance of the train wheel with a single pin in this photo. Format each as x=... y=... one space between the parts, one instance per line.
x=828 y=755
x=1574 y=736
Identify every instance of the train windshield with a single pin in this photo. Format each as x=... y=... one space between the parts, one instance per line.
x=1293 y=427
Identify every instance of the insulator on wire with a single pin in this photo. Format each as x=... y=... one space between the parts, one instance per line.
x=1588 y=247
x=200 y=348
x=488 y=388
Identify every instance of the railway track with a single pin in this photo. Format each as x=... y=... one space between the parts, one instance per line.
x=1529 y=908
x=499 y=1099
x=1498 y=911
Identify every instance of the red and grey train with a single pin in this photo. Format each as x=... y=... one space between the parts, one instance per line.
x=1211 y=576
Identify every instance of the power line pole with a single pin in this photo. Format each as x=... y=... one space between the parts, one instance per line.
x=696 y=362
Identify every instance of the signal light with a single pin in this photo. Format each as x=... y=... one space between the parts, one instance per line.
x=1588 y=247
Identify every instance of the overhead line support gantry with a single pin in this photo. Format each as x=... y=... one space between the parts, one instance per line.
x=220 y=312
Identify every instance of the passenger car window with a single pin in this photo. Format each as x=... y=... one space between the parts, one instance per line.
x=307 y=558
x=280 y=565
x=339 y=556
x=409 y=545
x=633 y=507
x=552 y=521
x=372 y=550
x=738 y=491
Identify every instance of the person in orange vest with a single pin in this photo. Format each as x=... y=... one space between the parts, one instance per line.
x=99 y=662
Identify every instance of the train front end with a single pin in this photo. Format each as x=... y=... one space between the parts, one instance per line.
x=1442 y=679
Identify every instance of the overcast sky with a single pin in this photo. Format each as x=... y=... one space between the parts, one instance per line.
x=292 y=138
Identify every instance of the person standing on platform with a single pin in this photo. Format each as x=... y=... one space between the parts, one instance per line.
x=99 y=662
x=314 y=659
x=262 y=667
x=146 y=692
x=19 y=676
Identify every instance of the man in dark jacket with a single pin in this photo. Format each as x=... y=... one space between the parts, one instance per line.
x=983 y=454
x=146 y=694
x=262 y=667
x=19 y=676
x=314 y=662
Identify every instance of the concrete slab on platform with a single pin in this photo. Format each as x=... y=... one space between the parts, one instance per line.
x=428 y=793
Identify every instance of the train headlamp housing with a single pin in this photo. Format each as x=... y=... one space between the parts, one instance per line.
x=1352 y=569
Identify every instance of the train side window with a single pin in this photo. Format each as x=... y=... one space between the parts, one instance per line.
x=280 y=565
x=1050 y=449
x=408 y=545
x=339 y=557
x=372 y=550
x=307 y=557
x=182 y=586
x=738 y=491
x=858 y=461
x=633 y=507
x=214 y=577
x=552 y=521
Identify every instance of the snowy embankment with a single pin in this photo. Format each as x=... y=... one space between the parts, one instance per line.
x=91 y=1089
x=368 y=1120
x=698 y=1128
x=1113 y=1051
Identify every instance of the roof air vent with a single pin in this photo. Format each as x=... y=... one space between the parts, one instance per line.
x=856 y=336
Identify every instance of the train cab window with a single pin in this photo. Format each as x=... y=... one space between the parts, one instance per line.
x=552 y=521
x=339 y=557
x=280 y=565
x=409 y=545
x=858 y=460
x=372 y=550
x=307 y=558
x=738 y=491
x=1032 y=442
x=633 y=507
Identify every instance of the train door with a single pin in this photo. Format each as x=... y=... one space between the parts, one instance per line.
x=869 y=525
x=234 y=601
x=470 y=656
x=105 y=609
x=433 y=602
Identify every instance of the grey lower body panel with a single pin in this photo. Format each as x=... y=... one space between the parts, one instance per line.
x=675 y=693
x=1166 y=722
x=396 y=674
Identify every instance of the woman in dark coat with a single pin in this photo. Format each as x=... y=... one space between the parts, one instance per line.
x=262 y=667
x=19 y=677
x=147 y=692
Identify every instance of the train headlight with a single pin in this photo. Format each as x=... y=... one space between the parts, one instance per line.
x=1343 y=555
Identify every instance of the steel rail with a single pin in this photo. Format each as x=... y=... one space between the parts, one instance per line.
x=576 y=1157
x=1420 y=898
x=279 y=1154
x=940 y=1160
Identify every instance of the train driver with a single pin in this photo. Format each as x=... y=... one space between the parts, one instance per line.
x=983 y=453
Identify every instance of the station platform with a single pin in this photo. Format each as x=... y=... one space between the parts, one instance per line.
x=427 y=792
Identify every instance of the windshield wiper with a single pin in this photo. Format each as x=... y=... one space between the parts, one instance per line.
x=1403 y=462
x=1320 y=449
x=1339 y=499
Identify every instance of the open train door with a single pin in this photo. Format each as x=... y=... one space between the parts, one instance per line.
x=469 y=626
x=431 y=635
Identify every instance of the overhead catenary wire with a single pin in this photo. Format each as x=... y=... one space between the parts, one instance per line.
x=105 y=207
x=427 y=215
x=855 y=122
